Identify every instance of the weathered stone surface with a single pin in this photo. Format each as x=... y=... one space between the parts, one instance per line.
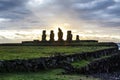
x=69 y=36
x=60 y=35
x=44 y=35
x=57 y=62
x=108 y=65
x=105 y=65
x=77 y=38
x=52 y=36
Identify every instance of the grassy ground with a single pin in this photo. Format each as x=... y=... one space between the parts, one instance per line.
x=83 y=63
x=44 y=75
x=25 y=52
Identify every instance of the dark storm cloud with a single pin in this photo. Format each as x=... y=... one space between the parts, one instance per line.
x=114 y=10
x=94 y=5
x=13 y=9
x=99 y=11
x=9 y=4
x=111 y=24
x=92 y=15
x=81 y=1
x=92 y=11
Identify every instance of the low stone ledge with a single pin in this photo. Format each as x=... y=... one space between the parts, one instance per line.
x=106 y=65
x=49 y=62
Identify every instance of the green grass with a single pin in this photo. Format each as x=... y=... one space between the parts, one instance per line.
x=43 y=75
x=25 y=52
x=81 y=63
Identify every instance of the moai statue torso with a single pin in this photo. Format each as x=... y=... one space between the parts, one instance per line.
x=77 y=38
x=69 y=36
x=44 y=36
x=52 y=36
x=60 y=35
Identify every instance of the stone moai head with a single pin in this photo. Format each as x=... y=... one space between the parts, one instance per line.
x=51 y=32
x=69 y=36
x=59 y=30
x=77 y=38
x=68 y=32
x=44 y=35
x=44 y=32
x=52 y=36
x=60 y=35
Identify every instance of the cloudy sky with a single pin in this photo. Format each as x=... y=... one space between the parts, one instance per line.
x=22 y=20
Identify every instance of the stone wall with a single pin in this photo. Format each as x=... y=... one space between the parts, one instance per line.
x=49 y=62
x=106 y=65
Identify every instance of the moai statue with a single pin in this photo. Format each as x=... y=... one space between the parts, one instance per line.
x=44 y=35
x=60 y=35
x=77 y=38
x=52 y=36
x=69 y=36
